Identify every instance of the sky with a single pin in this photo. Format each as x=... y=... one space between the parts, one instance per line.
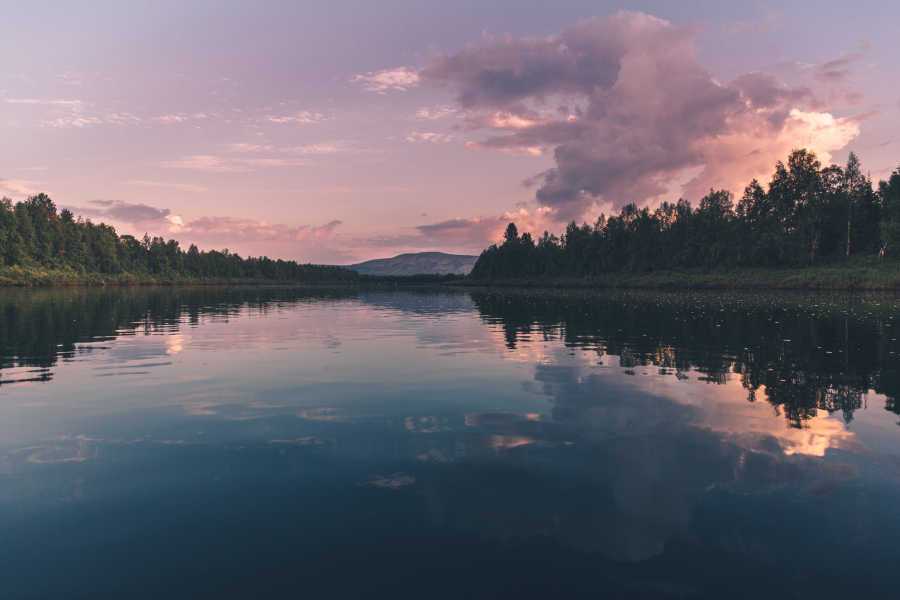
x=340 y=131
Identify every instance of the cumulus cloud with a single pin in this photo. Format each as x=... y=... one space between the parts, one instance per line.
x=626 y=110
x=398 y=79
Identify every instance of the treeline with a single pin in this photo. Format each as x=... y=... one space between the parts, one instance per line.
x=809 y=215
x=34 y=234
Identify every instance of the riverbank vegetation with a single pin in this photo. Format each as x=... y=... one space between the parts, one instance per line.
x=811 y=227
x=42 y=246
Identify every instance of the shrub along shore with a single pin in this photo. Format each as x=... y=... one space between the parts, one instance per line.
x=872 y=275
x=32 y=276
x=854 y=275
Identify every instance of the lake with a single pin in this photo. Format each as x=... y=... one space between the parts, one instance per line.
x=248 y=442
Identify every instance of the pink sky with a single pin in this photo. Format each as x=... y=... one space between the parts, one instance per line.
x=338 y=132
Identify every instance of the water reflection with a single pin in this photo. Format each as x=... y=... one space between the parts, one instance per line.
x=40 y=327
x=631 y=445
x=802 y=354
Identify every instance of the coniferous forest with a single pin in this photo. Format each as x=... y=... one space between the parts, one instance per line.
x=809 y=215
x=37 y=238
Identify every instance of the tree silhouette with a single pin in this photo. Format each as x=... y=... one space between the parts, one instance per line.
x=33 y=234
x=809 y=214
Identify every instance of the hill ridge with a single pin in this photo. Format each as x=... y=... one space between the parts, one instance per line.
x=417 y=263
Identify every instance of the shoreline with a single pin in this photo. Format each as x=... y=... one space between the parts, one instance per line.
x=857 y=276
x=18 y=277
x=848 y=277
x=30 y=277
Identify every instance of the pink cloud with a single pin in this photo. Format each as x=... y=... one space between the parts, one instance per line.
x=429 y=137
x=397 y=79
x=231 y=228
x=21 y=187
x=626 y=109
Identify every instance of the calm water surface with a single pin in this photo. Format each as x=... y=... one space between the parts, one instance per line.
x=249 y=443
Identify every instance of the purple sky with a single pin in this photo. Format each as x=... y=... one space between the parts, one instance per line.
x=341 y=131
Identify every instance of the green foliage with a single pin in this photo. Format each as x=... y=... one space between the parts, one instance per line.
x=809 y=216
x=39 y=245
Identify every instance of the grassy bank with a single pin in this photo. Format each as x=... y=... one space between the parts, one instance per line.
x=859 y=274
x=22 y=276
x=35 y=276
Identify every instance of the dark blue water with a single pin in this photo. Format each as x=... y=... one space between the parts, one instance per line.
x=242 y=443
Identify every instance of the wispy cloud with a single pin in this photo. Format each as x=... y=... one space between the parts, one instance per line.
x=71 y=78
x=769 y=22
x=22 y=187
x=206 y=162
x=322 y=148
x=125 y=211
x=76 y=121
x=464 y=234
x=212 y=229
x=397 y=79
x=122 y=118
x=180 y=117
x=73 y=113
x=435 y=112
x=229 y=164
x=303 y=117
x=838 y=70
x=230 y=228
x=45 y=102
x=249 y=147
x=168 y=185
x=332 y=147
x=242 y=157
x=429 y=137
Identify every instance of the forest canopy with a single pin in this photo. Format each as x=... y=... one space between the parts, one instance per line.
x=34 y=234
x=808 y=215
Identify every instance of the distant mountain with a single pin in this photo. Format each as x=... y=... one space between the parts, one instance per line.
x=418 y=263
